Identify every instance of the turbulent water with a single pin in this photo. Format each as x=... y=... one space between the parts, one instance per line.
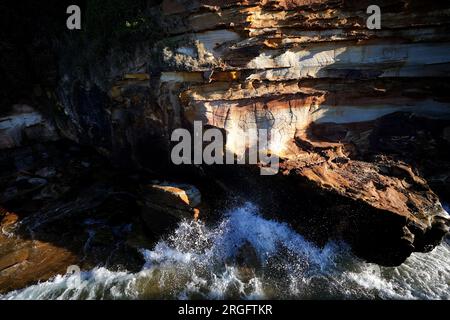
x=249 y=257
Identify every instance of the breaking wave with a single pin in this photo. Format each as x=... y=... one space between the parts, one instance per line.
x=249 y=257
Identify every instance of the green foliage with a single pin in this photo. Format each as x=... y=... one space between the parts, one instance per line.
x=117 y=23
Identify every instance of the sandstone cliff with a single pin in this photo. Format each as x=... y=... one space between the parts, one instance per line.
x=359 y=117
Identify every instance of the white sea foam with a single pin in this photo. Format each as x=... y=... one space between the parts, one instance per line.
x=199 y=261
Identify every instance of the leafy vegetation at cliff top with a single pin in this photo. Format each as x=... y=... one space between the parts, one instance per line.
x=118 y=23
x=31 y=29
x=111 y=31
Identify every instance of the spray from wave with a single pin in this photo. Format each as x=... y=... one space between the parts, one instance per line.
x=249 y=257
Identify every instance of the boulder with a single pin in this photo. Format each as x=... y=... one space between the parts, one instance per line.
x=24 y=124
x=384 y=207
x=166 y=204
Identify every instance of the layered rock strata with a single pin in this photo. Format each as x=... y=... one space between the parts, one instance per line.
x=359 y=117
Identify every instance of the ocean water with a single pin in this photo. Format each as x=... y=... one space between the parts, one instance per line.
x=247 y=256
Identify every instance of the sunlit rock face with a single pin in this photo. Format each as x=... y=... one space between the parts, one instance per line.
x=282 y=65
x=245 y=65
x=284 y=108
